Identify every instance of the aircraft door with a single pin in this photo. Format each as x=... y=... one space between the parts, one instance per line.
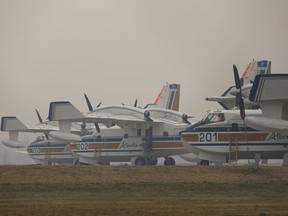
x=100 y=147
x=177 y=136
x=104 y=144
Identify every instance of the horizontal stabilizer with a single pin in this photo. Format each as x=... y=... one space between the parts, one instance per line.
x=269 y=87
x=12 y=123
x=270 y=91
x=63 y=111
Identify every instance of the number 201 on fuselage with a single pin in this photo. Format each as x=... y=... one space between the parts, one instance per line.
x=208 y=137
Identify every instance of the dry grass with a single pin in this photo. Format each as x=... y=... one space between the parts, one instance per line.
x=127 y=190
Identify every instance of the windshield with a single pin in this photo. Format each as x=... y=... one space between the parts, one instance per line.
x=39 y=139
x=214 y=117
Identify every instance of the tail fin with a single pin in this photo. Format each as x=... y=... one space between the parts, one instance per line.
x=13 y=125
x=254 y=68
x=168 y=98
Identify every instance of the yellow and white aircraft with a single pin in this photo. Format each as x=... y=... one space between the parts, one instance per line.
x=48 y=153
x=51 y=150
x=232 y=135
x=228 y=98
x=133 y=134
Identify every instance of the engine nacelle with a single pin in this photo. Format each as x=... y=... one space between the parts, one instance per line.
x=64 y=136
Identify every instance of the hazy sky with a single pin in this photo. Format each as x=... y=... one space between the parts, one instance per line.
x=118 y=50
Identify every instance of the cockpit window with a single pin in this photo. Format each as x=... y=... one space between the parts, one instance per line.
x=39 y=139
x=214 y=118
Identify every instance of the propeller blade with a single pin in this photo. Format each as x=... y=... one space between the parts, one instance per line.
x=242 y=109
x=88 y=103
x=91 y=109
x=99 y=105
x=39 y=117
x=46 y=135
x=41 y=121
x=237 y=99
x=236 y=77
x=239 y=102
x=97 y=127
x=135 y=103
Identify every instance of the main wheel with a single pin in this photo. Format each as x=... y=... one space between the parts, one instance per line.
x=169 y=161
x=204 y=163
x=140 y=161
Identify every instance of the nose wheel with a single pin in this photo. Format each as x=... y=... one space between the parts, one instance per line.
x=204 y=163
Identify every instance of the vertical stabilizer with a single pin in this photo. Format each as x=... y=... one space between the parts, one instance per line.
x=254 y=68
x=169 y=97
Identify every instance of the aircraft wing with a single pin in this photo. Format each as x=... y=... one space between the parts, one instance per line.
x=168 y=116
x=121 y=115
x=114 y=114
x=109 y=115
x=270 y=91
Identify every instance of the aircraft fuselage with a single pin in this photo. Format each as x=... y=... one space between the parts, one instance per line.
x=230 y=139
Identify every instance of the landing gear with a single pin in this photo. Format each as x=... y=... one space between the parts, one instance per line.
x=169 y=161
x=145 y=161
x=105 y=163
x=204 y=163
x=76 y=162
x=140 y=161
x=152 y=162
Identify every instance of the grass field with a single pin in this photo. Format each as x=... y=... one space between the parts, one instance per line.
x=147 y=190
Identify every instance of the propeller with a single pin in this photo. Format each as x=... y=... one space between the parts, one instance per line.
x=239 y=102
x=99 y=105
x=88 y=103
x=39 y=116
x=135 y=103
x=41 y=121
x=91 y=109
